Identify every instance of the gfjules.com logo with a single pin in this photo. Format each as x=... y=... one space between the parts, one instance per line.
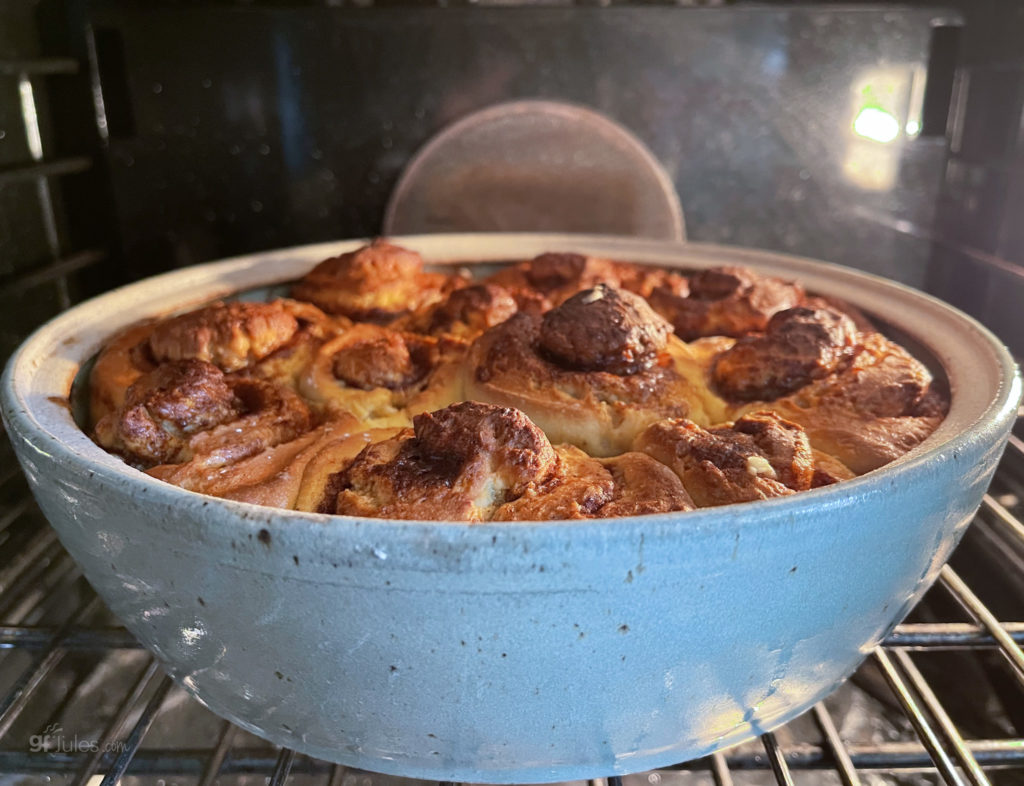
x=54 y=740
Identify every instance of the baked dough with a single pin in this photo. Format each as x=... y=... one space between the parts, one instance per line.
x=592 y=372
x=560 y=387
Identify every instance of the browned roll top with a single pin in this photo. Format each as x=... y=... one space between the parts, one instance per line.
x=557 y=276
x=465 y=313
x=603 y=329
x=478 y=462
x=799 y=345
x=553 y=272
x=725 y=301
x=231 y=336
x=464 y=435
x=374 y=357
x=169 y=403
x=377 y=263
x=455 y=463
x=168 y=412
x=759 y=456
x=375 y=283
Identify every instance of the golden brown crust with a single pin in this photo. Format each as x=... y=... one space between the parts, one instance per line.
x=556 y=277
x=644 y=279
x=725 y=301
x=582 y=487
x=873 y=410
x=798 y=346
x=119 y=364
x=188 y=408
x=375 y=283
x=475 y=462
x=289 y=475
x=758 y=457
x=465 y=313
x=597 y=411
x=231 y=336
x=840 y=306
x=562 y=348
x=458 y=463
x=383 y=376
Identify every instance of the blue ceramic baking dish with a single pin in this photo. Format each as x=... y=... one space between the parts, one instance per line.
x=511 y=652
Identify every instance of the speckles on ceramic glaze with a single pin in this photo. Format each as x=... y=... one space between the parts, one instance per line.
x=151 y=613
x=190 y=636
x=112 y=542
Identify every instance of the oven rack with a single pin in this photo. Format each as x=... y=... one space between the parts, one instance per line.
x=48 y=613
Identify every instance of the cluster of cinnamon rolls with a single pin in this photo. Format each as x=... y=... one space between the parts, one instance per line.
x=563 y=387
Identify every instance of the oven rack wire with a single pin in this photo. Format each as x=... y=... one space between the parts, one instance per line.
x=37 y=576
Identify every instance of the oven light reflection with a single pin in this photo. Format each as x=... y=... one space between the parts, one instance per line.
x=877 y=124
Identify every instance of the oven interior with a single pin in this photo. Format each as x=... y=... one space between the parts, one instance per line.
x=134 y=140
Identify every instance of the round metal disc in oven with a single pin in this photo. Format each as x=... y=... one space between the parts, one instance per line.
x=536 y=166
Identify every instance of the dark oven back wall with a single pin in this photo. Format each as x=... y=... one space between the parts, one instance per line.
x=243 y=128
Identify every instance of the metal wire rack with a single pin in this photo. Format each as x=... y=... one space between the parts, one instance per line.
x=57 y=641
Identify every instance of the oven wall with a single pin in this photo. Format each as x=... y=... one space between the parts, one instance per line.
x=243 y=128
x=58 y=238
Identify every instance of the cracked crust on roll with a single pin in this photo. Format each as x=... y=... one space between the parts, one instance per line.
x=476 y=462
x=466 y=312
x=878 y=406
x=725 y=301
x=760 y=456
x=376 y=283
x=593 y=372
x=231 y=336
x=272 y=341
x=799 y=345
x=189 y=408
x=383 y=376
x=555 y=277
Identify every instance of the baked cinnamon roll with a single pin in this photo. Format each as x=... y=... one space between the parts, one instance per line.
x=291 y=474
x=376 y=283
x=271 y=340
x=759 y=456
x=476 y=462
x=231 y=336
x=188 y=408
x=725 y=301
x=556 y=277
x=383 y=376
x=876 y=407
x=468 y=312
x=798 y=346
x=593 y=372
